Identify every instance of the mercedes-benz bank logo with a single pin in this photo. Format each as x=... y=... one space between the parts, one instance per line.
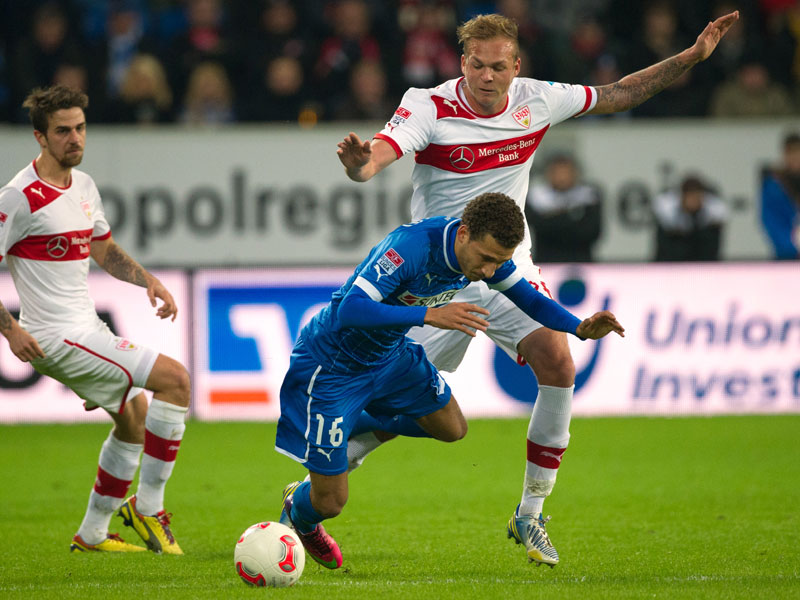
x=57 y=247
x=462 y=158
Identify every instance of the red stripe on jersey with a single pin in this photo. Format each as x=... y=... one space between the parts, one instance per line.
x=159 y=448
x=39 y=195
x=448 y=109
x=544 y=456
x=116 y=364
x=391 y=142
x=588 y=102
x=69 y=245
x=108 y=485
x=473 y=158
x=100 y=238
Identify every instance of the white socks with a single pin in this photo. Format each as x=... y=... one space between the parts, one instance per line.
x=164 y=427
x=548 y=437
x=117 y=466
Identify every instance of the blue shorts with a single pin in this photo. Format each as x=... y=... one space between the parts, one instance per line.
x=319 y=408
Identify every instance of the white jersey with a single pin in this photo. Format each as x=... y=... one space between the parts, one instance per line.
x=460 y=154
x=46 y=234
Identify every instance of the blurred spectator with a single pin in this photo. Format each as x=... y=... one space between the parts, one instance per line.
x=538 y=44
x=689 y=222
x=145 y=96
x=367 y=99
x=38 y=55
x=5 y=84
x=751 y=93
x=742 y=40
x=782 y=35
x=564 y=214
x=659 y=38
x=72 y=75
x=780 y=201
x=280 y=33
x=587 y=43
x=430 y=54
x=205 y=39
x=209 y=96
x=279 y=95
x=350 y=41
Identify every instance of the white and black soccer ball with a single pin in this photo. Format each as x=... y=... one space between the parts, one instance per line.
x=269 y=554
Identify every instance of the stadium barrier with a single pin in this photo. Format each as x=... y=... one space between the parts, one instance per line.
x=208 y=197
x=701 y=339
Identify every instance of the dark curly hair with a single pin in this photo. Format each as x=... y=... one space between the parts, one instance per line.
x=43 y=102
x=497 y=215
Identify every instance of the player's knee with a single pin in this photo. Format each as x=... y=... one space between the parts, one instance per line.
x=183 y=385
x=552 y=365
x=180 y=385
x=457 y=431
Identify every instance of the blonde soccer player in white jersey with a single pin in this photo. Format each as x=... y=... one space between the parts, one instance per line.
x=51 y=223
x=477 y=134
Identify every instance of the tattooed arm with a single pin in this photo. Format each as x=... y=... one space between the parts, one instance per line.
x=633 y=89
x=22 y=343
x=116 y=262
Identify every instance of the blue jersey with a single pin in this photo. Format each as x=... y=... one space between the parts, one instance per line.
x=414 y=266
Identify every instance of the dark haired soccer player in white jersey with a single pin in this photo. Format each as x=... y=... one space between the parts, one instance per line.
x=477 y=134
x=51 y=223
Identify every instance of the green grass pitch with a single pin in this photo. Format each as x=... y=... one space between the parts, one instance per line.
x=657 y=508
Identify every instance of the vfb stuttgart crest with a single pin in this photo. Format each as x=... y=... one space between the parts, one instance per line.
x=523 y=116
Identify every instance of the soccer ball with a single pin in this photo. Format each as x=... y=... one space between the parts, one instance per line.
x=269 y=554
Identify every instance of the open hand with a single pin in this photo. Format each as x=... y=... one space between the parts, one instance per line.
x=353 y=153
x=599 y=325
x=710 y=36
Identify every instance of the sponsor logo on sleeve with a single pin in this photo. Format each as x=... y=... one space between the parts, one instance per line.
x=3 y=218
x=398 y=118
x=390 y=261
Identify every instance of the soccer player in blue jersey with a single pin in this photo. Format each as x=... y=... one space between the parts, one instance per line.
x=354 y=362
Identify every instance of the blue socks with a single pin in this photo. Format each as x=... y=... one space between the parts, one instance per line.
x=304 y=517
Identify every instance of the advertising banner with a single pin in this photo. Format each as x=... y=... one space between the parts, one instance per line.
x=701 y=339
x=260 y=195
x=26 y=396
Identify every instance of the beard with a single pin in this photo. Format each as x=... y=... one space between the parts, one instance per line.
x=70 y=160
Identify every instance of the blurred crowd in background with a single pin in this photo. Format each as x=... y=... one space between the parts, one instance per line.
x=307 y=61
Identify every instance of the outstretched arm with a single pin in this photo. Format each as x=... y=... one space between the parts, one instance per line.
x=116 y=262
x=552 y=315
x=364 y=160
x=633 y=89
x=22 y=343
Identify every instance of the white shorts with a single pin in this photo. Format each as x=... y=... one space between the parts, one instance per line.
x=508 y=324
x=100 y=367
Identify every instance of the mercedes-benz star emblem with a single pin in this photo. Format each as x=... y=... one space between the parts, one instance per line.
x=462 y=158
x=57 y=246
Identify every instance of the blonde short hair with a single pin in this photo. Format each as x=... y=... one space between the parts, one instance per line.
x=487 y=27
